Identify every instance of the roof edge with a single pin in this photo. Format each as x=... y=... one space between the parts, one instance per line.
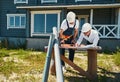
x=81 y=6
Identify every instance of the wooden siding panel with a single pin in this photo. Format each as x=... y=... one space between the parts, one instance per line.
x=8 y=7
x=13 y=33
x=103 y=0
x=59 y=2
x=103 y=16
x=118 y=1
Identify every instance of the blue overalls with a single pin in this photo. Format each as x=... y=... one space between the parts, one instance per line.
x=68 y=32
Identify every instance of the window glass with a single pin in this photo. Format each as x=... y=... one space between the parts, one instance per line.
x=17 y=21
x=51 y=21
x=11 y=21
x=39 y=23
x=43 y=23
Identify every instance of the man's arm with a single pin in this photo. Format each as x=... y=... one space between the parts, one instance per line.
x=61 y=36
x=75 y=33
x=78 y=43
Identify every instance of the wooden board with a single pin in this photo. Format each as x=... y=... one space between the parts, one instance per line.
x=68 y=46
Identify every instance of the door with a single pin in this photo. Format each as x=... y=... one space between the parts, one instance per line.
x=82 y=19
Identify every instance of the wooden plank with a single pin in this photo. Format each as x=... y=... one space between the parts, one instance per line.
x=72 y=46
x=80 y=70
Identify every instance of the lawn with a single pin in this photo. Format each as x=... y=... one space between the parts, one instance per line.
x=27 y=66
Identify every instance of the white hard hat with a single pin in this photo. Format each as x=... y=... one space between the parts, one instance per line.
x=86 y=27
x=71 y=16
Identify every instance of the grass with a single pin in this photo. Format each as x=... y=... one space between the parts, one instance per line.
x=117 y=57
x=21 y=62
x=27 y=66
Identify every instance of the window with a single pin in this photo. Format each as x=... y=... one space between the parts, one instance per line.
x=16 y=21
x=43 y=22
x=82 y=0
x=20 y=1
x=48 y=1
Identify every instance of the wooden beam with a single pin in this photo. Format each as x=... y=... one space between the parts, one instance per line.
x=80 y=70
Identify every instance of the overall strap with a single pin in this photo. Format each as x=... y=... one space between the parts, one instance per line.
x=68 y=24
x=74 y=24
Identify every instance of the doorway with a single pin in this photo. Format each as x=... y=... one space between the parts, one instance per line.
x=82 y=19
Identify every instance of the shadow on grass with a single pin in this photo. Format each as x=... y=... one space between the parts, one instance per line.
x=103 y=76
x=107 y=76
x=74 y=76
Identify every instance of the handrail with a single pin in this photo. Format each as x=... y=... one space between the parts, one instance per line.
x=59 y=72
x=48 y=58
x=53 y=42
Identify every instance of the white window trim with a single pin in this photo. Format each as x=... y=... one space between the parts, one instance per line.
x=49 y=1
x=83 y=0
x=13 y=15
x=15 y=1
x=43 y=12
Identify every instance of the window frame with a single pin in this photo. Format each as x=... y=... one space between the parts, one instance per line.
x=15 y=27
x=82 y=0
x=15 y=1
x=55 y=1
x=44 y=12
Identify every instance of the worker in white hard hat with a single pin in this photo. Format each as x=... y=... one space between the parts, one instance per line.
x=68 y=33
x=90 y=35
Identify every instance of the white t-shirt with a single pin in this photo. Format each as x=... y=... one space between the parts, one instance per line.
x=93 y=38
x=64 y=25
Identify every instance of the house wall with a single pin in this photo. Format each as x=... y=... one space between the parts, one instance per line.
x=8 y=7
x=63 y=2
x=37 y=43
x=103 y=1
x=118 y=1
x=101 y=16
x=104 y=16
x=110 y=44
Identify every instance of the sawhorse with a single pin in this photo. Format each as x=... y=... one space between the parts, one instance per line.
x=91 y=72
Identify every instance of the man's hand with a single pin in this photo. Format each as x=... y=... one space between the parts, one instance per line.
x=73 y=41
x=76 y=44
x=82 y=45
x=62 y=41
